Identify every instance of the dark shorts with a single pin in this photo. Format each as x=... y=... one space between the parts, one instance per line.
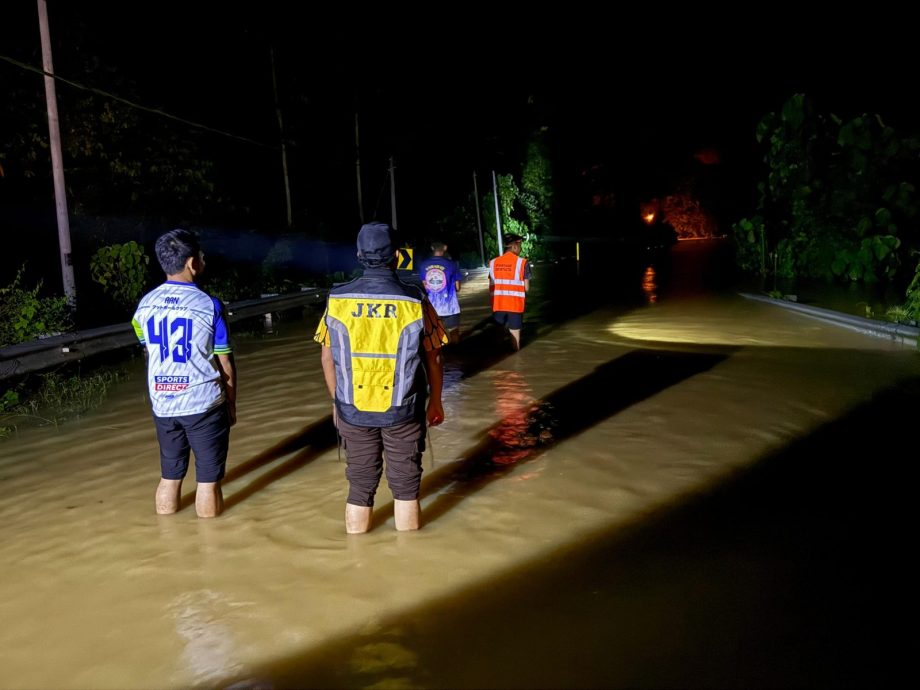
x=206 y=434
x=364 y=449
x=451 y=322
x=509 y=319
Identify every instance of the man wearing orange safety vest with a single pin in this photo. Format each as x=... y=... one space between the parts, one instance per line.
x=509 y=281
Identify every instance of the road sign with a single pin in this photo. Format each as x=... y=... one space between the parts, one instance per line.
x=404 y=260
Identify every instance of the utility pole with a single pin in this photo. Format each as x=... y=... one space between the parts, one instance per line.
x=284 y=165
x=498 y=215
x=393 y=191
x=358 y=170
x=57 y=164
x=482 y=250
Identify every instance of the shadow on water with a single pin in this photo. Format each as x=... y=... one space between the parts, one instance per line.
x=793 y=573
x=316 y=438
x=481 y=347
x=524 y=435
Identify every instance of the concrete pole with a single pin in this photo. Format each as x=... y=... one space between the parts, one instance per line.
x=358 y=171
x=57 y=164
x=284 y=165
x=482 y=250
x=498 y=215
x=393 y=191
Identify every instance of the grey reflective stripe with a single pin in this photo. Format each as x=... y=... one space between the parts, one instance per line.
x=403 y=358
x=502 y=281
x=365 y=295
x=344 y=362
x=346 y=369
x=509 y=293
x=373 y=355
x=408 y=360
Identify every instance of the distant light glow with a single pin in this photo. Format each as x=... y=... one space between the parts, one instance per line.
x=648 y=211
x=708 y=156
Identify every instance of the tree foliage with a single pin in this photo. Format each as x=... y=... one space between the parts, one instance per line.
x=26 y=314
x=118 y=159
x=121 y=270
x=839 y=199
x=526 y=205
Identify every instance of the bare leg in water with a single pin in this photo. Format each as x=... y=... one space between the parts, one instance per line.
x=407 y=514
x=357 y=518
x=209 y=499
x=167 y=497
x=516 y=336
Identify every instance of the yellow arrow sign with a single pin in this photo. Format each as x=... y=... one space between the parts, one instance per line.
x=404 y=260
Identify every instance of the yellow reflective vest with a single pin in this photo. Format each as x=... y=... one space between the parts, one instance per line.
x=375 y=328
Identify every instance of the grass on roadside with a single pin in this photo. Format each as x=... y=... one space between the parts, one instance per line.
x=54 y=397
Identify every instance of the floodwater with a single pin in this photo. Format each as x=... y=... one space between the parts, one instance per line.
x=668 y=486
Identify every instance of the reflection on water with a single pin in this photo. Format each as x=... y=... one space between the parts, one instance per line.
x=209 y=648
x=518 y=432
x=649 y=286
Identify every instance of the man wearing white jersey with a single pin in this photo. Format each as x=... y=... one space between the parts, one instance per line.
x=191 y=376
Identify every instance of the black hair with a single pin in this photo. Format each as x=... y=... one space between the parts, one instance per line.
x=174 y=248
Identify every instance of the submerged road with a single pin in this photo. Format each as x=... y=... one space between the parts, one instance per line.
x=668 y=486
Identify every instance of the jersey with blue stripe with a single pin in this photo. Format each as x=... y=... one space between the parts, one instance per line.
x=183 y=328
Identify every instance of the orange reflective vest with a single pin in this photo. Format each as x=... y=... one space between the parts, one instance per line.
x=507 y=282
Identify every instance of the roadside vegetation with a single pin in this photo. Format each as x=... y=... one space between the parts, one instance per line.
x=51 y=398
x=838 y=204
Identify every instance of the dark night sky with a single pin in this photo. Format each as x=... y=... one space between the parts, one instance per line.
x=454 y=89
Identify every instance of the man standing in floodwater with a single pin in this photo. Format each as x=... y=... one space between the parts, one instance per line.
x=191 y=375
x=441 y=277
x=509 y=282
x=381 y=354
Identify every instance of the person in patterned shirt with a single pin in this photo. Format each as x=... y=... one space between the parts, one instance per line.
x=381 y=352
x=441 y=277
x=191 y=375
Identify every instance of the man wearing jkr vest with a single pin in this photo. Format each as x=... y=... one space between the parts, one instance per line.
x=509 y=281
x=381 y=341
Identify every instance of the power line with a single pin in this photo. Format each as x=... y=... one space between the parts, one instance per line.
x=138 y=106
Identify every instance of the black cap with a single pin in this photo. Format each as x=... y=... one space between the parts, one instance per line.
x=510 y=238
x=375 y=243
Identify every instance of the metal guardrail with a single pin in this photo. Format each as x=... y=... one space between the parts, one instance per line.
x=274 y=303
x=907 y=335
x=45 y=353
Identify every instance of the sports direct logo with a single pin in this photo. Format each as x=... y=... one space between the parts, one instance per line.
x=170 y=383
